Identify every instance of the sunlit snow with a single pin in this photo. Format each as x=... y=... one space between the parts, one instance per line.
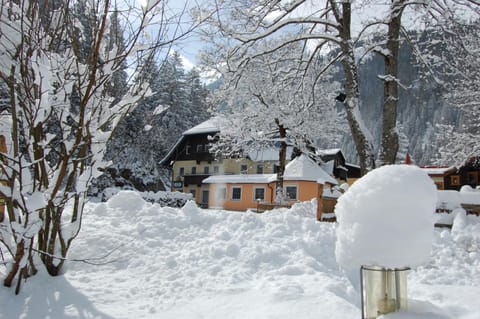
x=386 y=218
x=193 y=263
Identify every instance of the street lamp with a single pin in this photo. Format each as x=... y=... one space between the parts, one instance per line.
x=383 y=290
x=385 y=227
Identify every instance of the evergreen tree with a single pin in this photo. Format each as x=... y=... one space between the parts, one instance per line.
x=143 y=138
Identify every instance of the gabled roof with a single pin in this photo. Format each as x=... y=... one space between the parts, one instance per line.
x=327 y=155
x=209 y=126
x=438 y=170
x=167 y=159
x=303 y=168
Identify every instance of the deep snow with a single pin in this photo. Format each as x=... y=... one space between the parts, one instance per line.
x=387 y=218
x=193 y=263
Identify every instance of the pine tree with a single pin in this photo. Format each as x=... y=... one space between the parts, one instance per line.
x=143 y=138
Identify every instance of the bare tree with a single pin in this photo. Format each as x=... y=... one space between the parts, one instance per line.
x=245 y=26
x=272 y=106
x=61 y=114
x=390 y=139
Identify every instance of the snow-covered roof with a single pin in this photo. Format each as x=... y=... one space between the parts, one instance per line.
x=328 y=167
x=241 y=179
x=164 y=160
x=267 y=154
x=209 y=126
x=331 y=151
x=331 y=193
x=305 y=169
x=437 y=170
x=353 y=165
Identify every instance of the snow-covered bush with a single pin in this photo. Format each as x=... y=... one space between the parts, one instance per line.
x=171 y=199
x=63 y=66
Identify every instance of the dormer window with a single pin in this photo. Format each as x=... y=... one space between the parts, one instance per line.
x=243 y=169
x=260 y=169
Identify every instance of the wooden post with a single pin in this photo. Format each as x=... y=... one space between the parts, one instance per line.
x=319 y=202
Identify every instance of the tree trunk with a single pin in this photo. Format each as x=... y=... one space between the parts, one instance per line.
x=19 y=253
x=360 y=134
x=282 y=157
x=390 y=142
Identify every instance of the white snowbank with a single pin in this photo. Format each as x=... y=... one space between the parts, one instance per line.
x=451 y=199
x=448 y=199
x=190 y=263
x=386 y=219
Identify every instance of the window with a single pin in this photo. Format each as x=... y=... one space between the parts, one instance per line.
x=236 y=193
x=194 y=170
x=221 y=193
x=206 y=170
x=276 y=168
x=215 y=170
x=243 y=169
x=455 y=180
x=187 y=149
x=260 y=169
x=291 y=192
x=181 y=171
x=199 y=148
x=259 y=193
x=193 y=192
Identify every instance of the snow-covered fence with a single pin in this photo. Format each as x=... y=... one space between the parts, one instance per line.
x=467 y=198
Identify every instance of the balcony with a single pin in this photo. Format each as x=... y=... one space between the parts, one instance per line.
x=194 y=179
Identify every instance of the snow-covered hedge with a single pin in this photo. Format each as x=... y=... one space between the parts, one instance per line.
x=171 y=199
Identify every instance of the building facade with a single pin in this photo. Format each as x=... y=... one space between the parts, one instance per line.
x=243 y=182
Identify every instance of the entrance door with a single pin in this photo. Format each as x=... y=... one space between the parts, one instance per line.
x=204 y=199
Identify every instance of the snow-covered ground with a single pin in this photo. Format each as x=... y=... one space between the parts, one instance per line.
x=194 y=263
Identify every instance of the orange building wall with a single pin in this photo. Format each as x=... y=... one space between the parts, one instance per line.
x=306 y=191
x=247 y=200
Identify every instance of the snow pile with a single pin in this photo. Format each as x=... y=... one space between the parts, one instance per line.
x=172 y=255
x=448 y=200
x=190 y=263
x=451 y=199
x=386 y=219
x=455 y=257
x=468 y=195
